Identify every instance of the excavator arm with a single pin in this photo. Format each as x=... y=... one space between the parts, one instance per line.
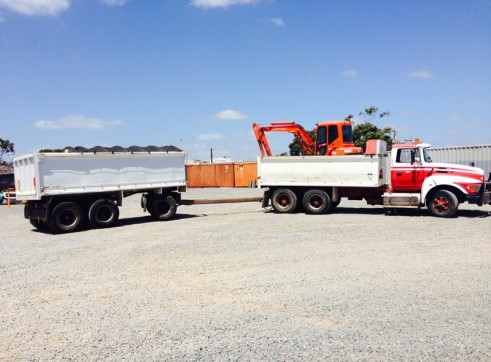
x=301 y=136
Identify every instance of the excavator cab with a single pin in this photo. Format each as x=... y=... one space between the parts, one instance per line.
x=335 y=138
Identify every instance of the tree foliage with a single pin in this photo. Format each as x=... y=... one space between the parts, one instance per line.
x=6 y=149
x=367 y=130
x=295 y=149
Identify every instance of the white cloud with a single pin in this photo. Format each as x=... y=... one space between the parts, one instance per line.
x=422 y=74
x=210 y=136
x=210 y=4
x=77 y=122
x=114 y=2
x=36 y=7
x=278 y=22
x=230 y=115
x=349 y=73
x=454 y=118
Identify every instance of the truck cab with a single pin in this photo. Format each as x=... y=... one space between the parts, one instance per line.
x=416 y=181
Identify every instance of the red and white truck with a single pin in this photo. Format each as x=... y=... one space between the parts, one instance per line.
x=404 y=177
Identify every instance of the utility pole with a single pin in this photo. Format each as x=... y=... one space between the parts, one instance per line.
x=211 y=155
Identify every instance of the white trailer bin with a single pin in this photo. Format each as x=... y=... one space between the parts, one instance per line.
x=62 y=190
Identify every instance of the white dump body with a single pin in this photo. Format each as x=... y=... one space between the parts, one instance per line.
x=50 y=174
x=323 y=171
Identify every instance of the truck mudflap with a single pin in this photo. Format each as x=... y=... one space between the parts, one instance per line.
x=266 y=198
x=36 y=210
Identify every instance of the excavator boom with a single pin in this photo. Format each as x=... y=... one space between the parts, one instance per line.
x=301 y=136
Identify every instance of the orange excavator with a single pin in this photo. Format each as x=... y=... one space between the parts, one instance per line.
x=333 y=138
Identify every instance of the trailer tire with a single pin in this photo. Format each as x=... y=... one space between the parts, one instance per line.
x=284 y=200
x=66 y=217
x=443 y=203
x=162 y=207
x=316 y=202
x=39 y=225
x=103 y=213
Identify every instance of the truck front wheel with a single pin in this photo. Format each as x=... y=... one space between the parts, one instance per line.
x=316 y=202
x=284 y=200
x=443 y=203
x=162 y=207
x=103 y=213
x=66 y=217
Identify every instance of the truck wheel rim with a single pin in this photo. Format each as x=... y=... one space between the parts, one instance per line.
x=440 y=204
x=104 y=213
x=67 y=218
x=284 y=200
x=315 y=201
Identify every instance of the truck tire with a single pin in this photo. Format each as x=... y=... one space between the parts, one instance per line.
x=162 y=207
x=284 y=200
x=443 y=203
x=316 y=202
x=66 y=217
x=103 y=213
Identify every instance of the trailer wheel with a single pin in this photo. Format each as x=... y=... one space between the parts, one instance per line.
x=284 y=200
x=66 y=217
x=40 y=225
x=316 y=202
x=103 y=213
x=443 y=203
x=162 y=207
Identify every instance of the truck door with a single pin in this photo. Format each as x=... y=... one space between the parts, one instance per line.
x=408 y=173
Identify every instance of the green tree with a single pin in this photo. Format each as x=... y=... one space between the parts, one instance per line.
x=295 y=149
x=6 y=148
x=367 y=130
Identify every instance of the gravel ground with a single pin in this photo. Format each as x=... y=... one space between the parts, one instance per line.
x=236 y=282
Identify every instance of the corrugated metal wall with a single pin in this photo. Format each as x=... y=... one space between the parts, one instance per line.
x=221 y=175
x=245 y=173
x=478 y=156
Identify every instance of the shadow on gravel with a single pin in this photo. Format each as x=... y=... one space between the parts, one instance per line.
x=147 y=219
x=471 y=214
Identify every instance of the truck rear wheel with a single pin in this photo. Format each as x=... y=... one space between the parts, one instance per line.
x=284 y=200
x=316 y=202
x=443 y=203
x=103 y=213
x=162 y=207
x=66 y=217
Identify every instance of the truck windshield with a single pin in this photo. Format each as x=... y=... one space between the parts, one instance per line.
x=347 y=134
x=426 y=155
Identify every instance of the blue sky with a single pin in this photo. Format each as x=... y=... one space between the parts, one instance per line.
x=197 y=73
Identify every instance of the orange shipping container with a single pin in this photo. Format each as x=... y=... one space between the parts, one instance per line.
x=210 y=175
x=245 y=174
x=221 y=174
